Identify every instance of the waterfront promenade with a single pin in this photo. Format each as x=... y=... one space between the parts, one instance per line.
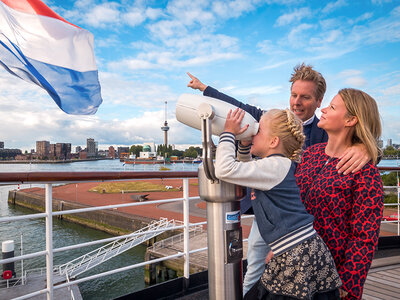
x=79 y=193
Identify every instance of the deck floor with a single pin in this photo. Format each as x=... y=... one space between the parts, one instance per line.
x=383 y=282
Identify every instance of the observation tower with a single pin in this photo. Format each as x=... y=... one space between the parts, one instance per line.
x=165 y=128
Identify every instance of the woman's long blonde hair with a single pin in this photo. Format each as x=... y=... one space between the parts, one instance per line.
x=368 y=129
x=289 y=128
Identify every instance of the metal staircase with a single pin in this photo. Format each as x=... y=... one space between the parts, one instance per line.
x=104 y=253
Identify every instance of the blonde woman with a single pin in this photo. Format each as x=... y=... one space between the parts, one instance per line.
x=347 y=208
x=299 y=264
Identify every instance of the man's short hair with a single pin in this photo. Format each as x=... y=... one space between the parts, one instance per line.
x=307 y=73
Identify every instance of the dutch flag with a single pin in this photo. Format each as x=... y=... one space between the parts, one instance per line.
x=39 y=46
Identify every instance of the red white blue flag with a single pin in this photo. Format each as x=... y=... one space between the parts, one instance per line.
x=39 y=46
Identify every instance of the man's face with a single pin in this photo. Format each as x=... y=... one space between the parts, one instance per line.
x=302 y=99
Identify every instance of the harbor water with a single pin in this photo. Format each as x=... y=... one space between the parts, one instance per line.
x=66 y=233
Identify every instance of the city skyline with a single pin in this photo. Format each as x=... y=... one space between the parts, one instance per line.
x=244 y=48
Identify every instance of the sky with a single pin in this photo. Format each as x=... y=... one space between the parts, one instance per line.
x=244 y=48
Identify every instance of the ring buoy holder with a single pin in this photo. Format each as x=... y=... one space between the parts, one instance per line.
x=7 y=274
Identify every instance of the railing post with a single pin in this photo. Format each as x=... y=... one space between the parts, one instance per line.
x=49 y=241
x=186 y=229
x=398 y=204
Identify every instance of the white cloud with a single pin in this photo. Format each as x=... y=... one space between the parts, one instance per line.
x=329 y=37
x=296 y=37
x=258 y=90
x=233 y=9
x=353 y=78
x=332 y=6
x=134 y=16
x=356 y=81
x=181 y=52
x=363 y=17
x=296 y=16
x=110 y=41
x=138 y=94
x=380 y=2
x=392 y=90
x=131 y=64
x=273 y=65
x=102 y=15
x=350 y=72
x=269 y=48
x=153 y=13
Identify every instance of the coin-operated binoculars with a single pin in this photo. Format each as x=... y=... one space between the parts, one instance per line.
x=224 y=231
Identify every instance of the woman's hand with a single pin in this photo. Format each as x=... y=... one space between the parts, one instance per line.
x=234 y=120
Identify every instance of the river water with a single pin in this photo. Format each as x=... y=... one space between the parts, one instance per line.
x=66 y=233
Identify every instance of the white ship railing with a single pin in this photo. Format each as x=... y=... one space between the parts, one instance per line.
x=50 y=178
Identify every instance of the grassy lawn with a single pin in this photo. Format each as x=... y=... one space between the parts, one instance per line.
x=130 y=187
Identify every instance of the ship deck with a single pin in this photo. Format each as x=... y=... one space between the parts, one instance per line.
x=384 y=282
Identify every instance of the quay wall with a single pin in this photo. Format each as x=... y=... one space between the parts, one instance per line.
x=110 y=221
x=66 y=161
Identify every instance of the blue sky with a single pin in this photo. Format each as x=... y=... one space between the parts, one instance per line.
x=245 y=48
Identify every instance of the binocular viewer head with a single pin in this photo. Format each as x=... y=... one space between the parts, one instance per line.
x=192 y=109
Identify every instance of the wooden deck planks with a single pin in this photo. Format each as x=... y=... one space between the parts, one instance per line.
x=383 y=283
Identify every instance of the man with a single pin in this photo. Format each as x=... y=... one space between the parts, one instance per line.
x=307 y=91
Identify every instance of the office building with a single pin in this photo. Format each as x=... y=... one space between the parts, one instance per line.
x=111 y=152
x=42 y=149
x=91 y=147
x=389 y=143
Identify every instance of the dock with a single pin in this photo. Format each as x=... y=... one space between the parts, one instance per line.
x=36 y=282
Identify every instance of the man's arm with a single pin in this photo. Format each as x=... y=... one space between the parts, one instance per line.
x=196 y=84
x=353 y=160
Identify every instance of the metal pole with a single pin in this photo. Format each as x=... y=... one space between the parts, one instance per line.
x=186 y=270
x=49 y=241
x=398 y=204
x=22 y=263
x=224 y=238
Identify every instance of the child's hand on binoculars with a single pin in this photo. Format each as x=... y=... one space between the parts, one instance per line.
x=234 y=120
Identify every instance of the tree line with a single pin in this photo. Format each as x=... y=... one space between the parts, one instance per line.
x=162 y=150
x=391 y=151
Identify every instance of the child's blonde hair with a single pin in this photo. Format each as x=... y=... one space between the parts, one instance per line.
x=289 y=128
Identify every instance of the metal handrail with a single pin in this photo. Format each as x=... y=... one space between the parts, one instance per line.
x=55 y=177
x=50 y=178
x=178 y=238
x=100 y=255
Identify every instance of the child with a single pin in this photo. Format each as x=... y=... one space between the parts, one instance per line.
x=299 y=265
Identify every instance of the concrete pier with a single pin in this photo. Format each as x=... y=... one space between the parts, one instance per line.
x=36 y=282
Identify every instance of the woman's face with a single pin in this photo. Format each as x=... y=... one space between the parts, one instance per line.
x=334 y=116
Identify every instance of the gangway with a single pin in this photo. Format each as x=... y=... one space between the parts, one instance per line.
x=94 y=258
